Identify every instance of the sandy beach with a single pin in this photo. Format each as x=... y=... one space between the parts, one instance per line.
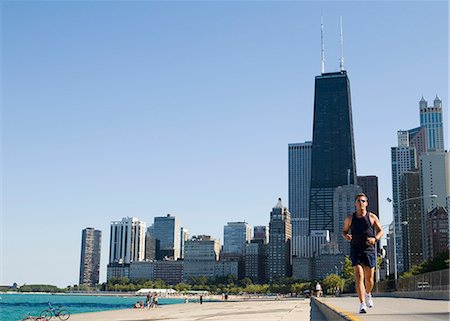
x=286 y=309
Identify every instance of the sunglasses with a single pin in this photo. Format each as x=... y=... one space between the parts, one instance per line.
x=361 y=201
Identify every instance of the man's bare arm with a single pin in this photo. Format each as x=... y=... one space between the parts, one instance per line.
x=346 y=228
x=379 y=228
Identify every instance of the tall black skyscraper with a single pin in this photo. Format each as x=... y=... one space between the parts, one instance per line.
x=333 y=149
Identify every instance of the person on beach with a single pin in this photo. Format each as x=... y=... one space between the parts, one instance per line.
x=363 y=237
x=137 y=305
x=201 y=299
x=318 y=289
x=149 y=296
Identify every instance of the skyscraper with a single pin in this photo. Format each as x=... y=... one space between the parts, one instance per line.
x=299 y=188
x=431 y=119
x=167 y=230
x=261 y=232
x=434 y=180
x=437 y=225
x=369 y=185
x=90 y=256
x=411 y=212
x=418 y=139
x=184 y=236
x=333 y=150
x=343 y=205
x=403 y=159
x=279 y=249
x=235 y=236
x=127 y=241
x=151 y=245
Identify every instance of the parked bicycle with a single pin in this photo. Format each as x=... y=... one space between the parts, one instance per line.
x=62 y=314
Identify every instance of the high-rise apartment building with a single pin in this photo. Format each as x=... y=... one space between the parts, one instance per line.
x=184 y=236
x=279 y=261
x=369 y=185
x=127 y=241
x=90 y=256
x=167 y=230
x=435 y=186
x=391 y=253
x=431 y=119
x=255 y=260
x=299 y=188
x=403 y=159
x=343 y=205
x=333 y=149
x=235 y=236
x=411 y=212
x=418 y=139
x=312 y=244
x=151 y=245
x=261 y=232
x=437 y=226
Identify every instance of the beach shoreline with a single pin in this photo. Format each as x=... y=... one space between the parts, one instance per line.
x=251 y=309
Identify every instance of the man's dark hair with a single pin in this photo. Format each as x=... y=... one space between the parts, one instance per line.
x=361 y=195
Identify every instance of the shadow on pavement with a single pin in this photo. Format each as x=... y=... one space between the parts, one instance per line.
x=314 y=313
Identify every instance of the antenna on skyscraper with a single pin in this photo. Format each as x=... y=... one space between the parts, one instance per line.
x=341 y=61
x=321 y=42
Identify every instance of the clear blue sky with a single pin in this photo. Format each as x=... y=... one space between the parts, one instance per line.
x=113 y=109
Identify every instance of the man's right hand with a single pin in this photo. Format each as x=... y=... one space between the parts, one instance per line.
x=348 y=237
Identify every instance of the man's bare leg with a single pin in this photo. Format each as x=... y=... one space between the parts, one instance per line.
x=359 y=282
x=369 y=278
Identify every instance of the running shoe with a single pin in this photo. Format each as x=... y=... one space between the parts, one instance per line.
x=369 y=300
x=362 y=308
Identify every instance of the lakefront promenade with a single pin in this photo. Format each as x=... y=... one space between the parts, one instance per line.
x=286 y=309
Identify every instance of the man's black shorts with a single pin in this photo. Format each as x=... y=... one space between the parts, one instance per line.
x=363 y=258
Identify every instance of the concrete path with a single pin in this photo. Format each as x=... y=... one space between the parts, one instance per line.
x=263 y=310
x=386 y=308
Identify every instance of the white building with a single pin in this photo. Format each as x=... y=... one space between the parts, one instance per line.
x=299 y=188
x=127 y=241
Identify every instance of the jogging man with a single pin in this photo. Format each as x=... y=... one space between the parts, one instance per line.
x=363 y=237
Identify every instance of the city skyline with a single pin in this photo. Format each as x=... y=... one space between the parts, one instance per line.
x=188 y=109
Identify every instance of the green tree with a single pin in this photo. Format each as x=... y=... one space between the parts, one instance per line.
x=440 y=262
x=332 y=282
x=180 y=287
x=39 y=288
x=245 y=282
x=348 y=272
x=159 y=284
x=300 y=287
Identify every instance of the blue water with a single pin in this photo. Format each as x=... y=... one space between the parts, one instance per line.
x=14 y=307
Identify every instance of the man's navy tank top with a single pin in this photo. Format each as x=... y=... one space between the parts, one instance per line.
x=362 y=228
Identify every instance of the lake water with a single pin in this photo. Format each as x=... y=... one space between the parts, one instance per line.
x=14 y=307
